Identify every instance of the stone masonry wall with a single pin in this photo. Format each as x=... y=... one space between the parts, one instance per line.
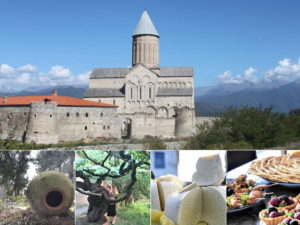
x=13 y=122
x=87 y=122
x=45 y=123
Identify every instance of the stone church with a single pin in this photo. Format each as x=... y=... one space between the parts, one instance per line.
x=152 y=100
x=143 y=100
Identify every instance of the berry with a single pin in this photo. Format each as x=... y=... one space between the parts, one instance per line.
x=274 y=202
x=297 y=216
x=286 y=199
x=294 y=222
x=273 y=214
x=286 y=221
x=283 y=204
x=230 y=191
x=272 y=209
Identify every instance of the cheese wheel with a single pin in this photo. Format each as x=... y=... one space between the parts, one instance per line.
x=196 y=205
x=209 y=171
x=167 y=185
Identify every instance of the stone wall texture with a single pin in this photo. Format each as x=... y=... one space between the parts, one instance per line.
x=46 y=123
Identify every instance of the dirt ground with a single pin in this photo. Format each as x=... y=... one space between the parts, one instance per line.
x=82 y=220
x=28 y=217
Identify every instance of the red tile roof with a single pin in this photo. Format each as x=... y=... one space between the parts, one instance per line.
x=60 y=100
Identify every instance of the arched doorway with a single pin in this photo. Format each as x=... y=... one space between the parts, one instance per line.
x=126 y=128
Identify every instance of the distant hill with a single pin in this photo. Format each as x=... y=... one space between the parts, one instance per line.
x=76 y=92
x=283 y=98
x=209 y=109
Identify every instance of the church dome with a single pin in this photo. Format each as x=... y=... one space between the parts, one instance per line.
x=145 y=26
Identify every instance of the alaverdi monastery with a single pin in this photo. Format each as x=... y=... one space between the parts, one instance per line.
x=143 y=100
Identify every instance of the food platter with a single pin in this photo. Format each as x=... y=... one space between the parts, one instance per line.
x=248 y=206
x=231 y=211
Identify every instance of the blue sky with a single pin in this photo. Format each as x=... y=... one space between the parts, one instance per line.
x=52 y=42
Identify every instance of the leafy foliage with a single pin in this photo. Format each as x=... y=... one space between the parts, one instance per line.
x=62 y=161
x=138 y=213
x=140 y=189
x=13 y=169
x=246 y=128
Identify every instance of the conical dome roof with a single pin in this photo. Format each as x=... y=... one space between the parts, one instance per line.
x=145 y=26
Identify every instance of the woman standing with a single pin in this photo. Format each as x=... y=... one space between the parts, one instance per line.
x=111 y=212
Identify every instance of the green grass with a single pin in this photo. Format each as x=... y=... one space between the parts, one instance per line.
x=134 y=214
x=19 y=145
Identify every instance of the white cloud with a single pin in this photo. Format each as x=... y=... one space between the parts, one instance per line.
x=6 y=69
x=285 y=70
x=228 y=78
x=29 y=76
x=24 y=78
x=28 y=68
x=59 y=72
x=84 y=77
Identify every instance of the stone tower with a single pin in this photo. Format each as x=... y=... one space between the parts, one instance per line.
x=184 y=122
x=145 y=43
x=42 y=127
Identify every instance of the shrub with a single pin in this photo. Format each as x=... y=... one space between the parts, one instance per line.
x=247 y=128
x=154 y=144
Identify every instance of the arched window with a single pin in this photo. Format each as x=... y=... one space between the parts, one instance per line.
x=140 y=92
x=85 y=128
x=68 y=114
x=86 y=115
x=114 y=102
x=131 y=92
x=77 y=114
x=101 y=114
x=150 y=92
x=103 y=127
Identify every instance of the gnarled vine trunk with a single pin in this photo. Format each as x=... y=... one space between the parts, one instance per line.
x=98 y=205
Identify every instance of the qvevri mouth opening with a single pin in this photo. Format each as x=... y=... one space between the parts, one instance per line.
x=54 y=198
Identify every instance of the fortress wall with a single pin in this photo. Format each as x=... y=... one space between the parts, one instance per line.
x=185 y=122
x=13 y=121
x=42 y=126
x=107 y=83
x=150 y=126
x=91 y=122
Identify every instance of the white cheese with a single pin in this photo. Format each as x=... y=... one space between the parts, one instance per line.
x=167 y=185
x=197 y=204
x=209 y=171
x=155 y=202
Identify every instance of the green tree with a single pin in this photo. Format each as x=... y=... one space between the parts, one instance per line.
x=123 y=167
x=13 y=169
x=62 y=161
x=247 y=127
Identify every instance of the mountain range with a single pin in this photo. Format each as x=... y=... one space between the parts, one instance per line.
x=283 y=96
x=212 y=100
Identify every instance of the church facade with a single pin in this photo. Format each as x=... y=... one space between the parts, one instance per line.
x=152 y=100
